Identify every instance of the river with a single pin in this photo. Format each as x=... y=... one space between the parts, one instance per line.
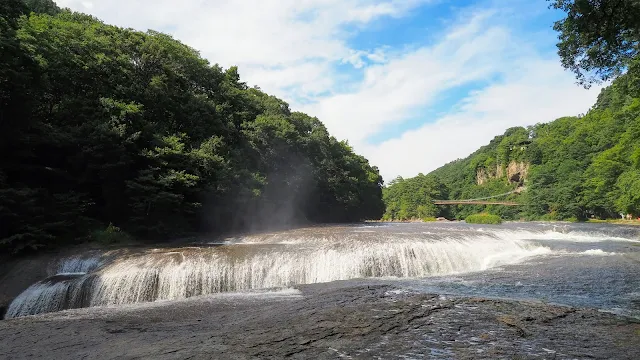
x=586 y=265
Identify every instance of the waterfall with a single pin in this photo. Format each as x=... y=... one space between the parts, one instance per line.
x=274 y=261
x=78 y=264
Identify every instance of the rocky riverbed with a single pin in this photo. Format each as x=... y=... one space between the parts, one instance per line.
x=347 y=319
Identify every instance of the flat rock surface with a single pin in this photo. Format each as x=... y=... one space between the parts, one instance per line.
x=351 y=320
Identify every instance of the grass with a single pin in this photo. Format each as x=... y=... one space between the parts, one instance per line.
x=483 y=218
x=615 y=221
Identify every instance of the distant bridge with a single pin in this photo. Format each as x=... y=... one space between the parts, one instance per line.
x=480 y=201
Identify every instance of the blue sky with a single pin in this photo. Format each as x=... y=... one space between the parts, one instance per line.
x=530 y=21
x=411 y=84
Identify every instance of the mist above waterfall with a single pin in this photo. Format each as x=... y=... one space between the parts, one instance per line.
x=283 y=198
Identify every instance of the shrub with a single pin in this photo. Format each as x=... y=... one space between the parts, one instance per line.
x=111 y=235
x=483 y=219
x=429 y=219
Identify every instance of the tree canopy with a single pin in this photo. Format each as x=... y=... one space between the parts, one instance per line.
x=597 y=39
x=413 y=198
x=103 y=125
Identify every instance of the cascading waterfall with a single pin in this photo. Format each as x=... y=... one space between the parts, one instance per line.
x=271 y=261
x=77 y=265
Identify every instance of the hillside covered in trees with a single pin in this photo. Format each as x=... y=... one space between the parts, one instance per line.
x=570 y=168
x=102 y=125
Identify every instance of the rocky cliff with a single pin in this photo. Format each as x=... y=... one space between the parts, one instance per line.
x=514 y=172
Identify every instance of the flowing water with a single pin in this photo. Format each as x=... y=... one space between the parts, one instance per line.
x=585 y=265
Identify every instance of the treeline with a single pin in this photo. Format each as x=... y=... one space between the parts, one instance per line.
x=409 y=199
x=102 y=125
x=573 y=168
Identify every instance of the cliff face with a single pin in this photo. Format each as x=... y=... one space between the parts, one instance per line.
x=516 y=172
x=482 y=176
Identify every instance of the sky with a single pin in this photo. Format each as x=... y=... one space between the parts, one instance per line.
x=410 y=84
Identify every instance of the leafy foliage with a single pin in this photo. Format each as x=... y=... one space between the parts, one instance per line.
x=111 y=235
x=483 y=219
x=104 y=125
x=489 y=164
x=598 y=38
x=412 y=199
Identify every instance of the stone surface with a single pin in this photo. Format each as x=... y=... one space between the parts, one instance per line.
x=349 y=319
x=516 y=172
x=17 y=275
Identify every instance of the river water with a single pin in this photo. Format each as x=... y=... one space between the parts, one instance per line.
x=588 y=265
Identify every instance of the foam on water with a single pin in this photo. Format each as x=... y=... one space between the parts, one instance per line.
x=77 y=265
x=597 y=252
x=558 y=234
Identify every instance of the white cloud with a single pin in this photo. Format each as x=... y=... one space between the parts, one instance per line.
x=393 y=91
x=358 y=58
x=480 y=46
x=308 y=77
x=539 y=90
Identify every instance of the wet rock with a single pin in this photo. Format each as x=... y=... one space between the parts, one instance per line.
x=337 y=320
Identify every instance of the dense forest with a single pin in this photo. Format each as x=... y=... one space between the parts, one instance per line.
x=573 y=168
x=102 y=127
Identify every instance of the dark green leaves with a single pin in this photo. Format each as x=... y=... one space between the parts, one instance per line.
x=597 y=38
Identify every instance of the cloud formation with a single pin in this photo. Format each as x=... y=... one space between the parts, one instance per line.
x=303 y=51
x=541 y=92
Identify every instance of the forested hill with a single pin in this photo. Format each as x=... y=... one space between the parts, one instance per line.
x=570 y=168
x=102 y=125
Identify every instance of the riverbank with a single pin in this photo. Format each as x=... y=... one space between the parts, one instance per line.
x=615 y=221
x=590 y=221
x=336 y=320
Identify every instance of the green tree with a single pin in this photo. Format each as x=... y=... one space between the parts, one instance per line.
x=42 y=6
x=408 y=199
x=597 y=38
x=628 y=185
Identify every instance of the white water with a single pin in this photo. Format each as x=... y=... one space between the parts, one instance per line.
x=573 y=236
x=597 y=252
x=77 y=265
x=275 y=261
